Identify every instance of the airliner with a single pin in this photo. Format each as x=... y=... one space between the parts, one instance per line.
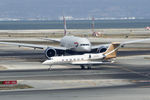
x=68 y=45
x=89 y=59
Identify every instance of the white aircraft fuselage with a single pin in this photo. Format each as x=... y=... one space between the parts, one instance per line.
x=76 y=44
x=73 y=59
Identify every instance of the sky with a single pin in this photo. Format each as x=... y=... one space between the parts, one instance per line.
x=52 y=9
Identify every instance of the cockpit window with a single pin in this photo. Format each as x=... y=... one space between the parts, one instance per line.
x=84 y=44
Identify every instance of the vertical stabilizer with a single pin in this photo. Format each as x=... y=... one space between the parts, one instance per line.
x=94 y=33
x=65 y=27
x=111 y=52
x=93 y=24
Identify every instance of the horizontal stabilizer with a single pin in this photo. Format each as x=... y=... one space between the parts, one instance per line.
x=50 y=39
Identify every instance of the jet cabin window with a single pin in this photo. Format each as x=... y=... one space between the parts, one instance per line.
x=84 y=44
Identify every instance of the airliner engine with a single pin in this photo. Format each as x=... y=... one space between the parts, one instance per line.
x=50 y=52
x=102 y=49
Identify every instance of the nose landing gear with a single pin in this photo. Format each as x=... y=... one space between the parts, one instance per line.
x=50 y=67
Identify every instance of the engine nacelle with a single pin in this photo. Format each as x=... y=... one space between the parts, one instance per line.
x=102 y=49
x=50 y=52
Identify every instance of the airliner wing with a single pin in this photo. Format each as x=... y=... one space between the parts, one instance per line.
x=134 y=41
x=121 y=43
x=33 y=45
x=50 y=39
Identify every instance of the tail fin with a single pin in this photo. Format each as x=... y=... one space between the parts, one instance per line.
x=111 y=52
x=65 y=27
x=93 y=24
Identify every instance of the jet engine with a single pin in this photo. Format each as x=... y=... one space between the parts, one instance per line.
x=102 y=49
x=50 y=52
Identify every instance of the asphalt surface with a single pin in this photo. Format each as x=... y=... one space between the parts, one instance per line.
x=106 y=93
x=137 y=72
x=117 y=71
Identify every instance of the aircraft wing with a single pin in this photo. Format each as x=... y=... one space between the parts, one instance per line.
x=91 y=62
x=50 y=39
x=134 y=41
x=33 y=45
x=121 y=43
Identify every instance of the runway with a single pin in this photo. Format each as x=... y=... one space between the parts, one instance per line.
x=139 y=90
x=111 y=93
x=137 y=74
x=130 y=66
x=117 y=71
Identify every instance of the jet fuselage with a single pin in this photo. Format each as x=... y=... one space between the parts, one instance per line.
x=76 y=44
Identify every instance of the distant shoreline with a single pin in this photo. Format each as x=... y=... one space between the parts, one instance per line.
x=73 y=24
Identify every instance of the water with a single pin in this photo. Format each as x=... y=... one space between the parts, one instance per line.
x=75 y=24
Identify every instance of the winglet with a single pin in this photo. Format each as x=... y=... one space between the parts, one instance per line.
x=111 y=52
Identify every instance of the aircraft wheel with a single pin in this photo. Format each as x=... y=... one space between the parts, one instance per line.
x=50 y=68
x=82 y=67
x=89 y=67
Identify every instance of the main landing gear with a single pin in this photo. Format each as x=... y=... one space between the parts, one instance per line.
x=50 y=68
x=85 y=67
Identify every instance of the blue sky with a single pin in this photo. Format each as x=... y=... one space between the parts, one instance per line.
x=51 y=9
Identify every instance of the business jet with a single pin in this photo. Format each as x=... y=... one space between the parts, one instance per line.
x=90 y=59
x=68 y=45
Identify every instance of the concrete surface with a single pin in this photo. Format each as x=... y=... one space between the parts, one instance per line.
x=126 y=79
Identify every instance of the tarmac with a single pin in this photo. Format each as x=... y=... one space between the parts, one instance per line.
x=128 y=78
